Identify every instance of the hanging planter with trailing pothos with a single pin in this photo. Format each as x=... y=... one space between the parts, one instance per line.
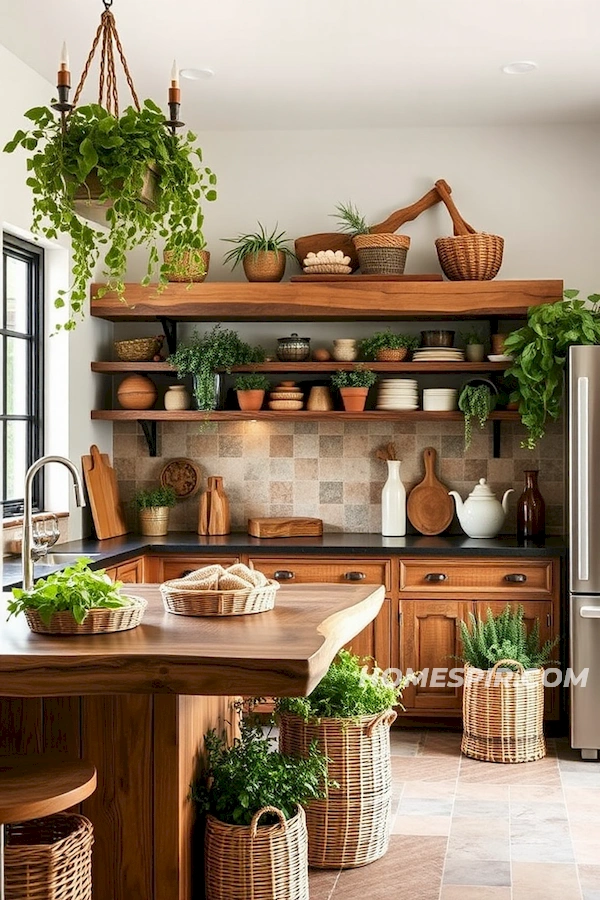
x=131 y=171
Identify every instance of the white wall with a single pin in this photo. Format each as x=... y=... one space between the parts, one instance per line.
x=70 y=387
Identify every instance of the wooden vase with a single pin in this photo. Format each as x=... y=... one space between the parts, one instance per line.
x=266 y=265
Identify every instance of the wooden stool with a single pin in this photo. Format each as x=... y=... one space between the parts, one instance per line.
x=34 y=786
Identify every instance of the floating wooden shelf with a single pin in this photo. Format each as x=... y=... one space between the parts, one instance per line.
x=353 y=299
x=309 y=368
x=233 y=415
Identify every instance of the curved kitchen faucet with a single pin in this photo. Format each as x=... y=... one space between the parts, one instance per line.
x=27 y=556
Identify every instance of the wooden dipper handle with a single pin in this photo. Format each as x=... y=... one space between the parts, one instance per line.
x=460 y=226
x=408 y=213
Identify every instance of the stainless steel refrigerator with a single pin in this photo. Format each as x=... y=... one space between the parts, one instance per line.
x=584 y=541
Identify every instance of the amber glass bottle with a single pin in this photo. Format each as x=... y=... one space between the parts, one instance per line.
x=531 y=510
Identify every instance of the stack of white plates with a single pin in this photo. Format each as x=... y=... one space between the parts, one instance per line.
x=438 y=354
x=440 y=399
x=398 y=393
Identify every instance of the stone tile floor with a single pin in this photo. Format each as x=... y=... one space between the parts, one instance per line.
x=467 y=830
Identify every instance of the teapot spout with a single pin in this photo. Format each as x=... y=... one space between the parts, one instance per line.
x=458 y=501
x=505 y=499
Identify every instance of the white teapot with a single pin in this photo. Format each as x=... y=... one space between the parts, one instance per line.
x=481 y=515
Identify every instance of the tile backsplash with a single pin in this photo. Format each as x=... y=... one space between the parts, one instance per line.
x=328 y=469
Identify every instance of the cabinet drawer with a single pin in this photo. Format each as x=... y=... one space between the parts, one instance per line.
x=337 y=571
x=163 y=568
x=130 y=572
x=510 y=577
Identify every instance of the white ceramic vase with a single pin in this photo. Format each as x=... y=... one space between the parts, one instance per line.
x=393 y=502
x=177 y=397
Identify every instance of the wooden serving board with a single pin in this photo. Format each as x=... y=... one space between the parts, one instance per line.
x=213 y=515
x=299 y=526
x=348 y=278
x=429 y=507
x=103 y=494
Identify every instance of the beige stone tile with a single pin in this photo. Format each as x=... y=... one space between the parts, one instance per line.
x=332 y=515
x=589 y=877
x=543 y=881
x=425 y=825
x=430 y=789
x=306 y=469
x=492 y=792
x=418 y=877
x=329 y=469
x=281 y=469
x=479 y=839
x=356 y=492
x=329 y=427
x=322 y=883
x=306 y=493
x=424 y=769
x=306 y=445
x=474 y=892
x=524 y=793
x=544 y=772
x=202 y=445
x=281 y=445
x=281 y=492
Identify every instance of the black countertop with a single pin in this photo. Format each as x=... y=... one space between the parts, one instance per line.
x=113 y=551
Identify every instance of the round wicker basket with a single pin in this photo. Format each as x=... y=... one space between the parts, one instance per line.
x=192 y=266
x=391 y=354
x=503 y=714
x=190 y=601
x=97 y=621
x=350 y=827
x=257 y=862
x=138 y=349
x=470 y=257
x=49 y=859
x=382 y=254
x=265 y=265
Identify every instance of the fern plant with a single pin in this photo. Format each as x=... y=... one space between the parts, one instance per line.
x=504 y=636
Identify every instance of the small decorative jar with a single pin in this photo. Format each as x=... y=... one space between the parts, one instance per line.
x=293 y=348
x=345 y=350
x=177 y=397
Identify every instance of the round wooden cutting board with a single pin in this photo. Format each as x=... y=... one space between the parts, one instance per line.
x=429 y=507
x=183 y=475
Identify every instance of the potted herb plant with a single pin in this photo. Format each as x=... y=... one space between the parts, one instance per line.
x=250 y=390
x=153 y=509
x=354 y=386
x=145 y=180
x=252 y=796
x=385 y=346
x=540 y=351
x=204 y=355
x=348 y=716
x=476 y=400
x=474 y=345
x=378 y=254
x=262 y=255
x=503 y=703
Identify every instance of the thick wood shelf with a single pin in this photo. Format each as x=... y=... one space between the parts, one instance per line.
x=232 y=415
x=353 y=299
x=309 y=368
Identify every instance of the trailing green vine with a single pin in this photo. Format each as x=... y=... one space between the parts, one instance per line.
x=476 y=402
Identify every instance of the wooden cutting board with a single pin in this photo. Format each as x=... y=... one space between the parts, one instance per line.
x=214 y=515
x=289 y=526
x=429 y=507
x=103 y=494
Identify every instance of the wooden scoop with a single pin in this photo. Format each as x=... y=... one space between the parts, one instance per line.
x=334 y=240
x=460 y=226
x=429 y=507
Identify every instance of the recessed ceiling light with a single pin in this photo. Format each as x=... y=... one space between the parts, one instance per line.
x=518 y=68
x=196 y=74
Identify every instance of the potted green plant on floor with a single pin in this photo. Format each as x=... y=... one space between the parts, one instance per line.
x=206 y=356
x=348 y=715
x=153 y=509
x=539 y=351
x=474 y=342
x=354 y=386
x=476 y=400
x=262 y=255
x=385 y=346
x=250 y=390
x=253 y=796
x=503 y=700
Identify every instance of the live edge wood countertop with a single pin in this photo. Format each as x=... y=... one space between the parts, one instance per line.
x=285 y=651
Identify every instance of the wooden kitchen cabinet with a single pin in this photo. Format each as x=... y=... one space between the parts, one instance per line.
x=163 y=568
x=130 y=572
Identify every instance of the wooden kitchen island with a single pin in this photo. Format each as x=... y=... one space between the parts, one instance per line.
x=137 y=704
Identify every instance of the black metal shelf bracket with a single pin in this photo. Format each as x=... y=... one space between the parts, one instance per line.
x=496 y=438
x=169 y=327
x=151 y=434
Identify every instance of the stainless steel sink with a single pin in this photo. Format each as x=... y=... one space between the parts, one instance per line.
x=62 y=559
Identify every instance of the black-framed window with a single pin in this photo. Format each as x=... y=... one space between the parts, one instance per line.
x=22 y=399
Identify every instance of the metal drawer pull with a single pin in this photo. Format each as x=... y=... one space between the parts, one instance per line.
x=354 y=576
x=283 y=575
x=590 y=612
x=436 y=576
x=516 y=578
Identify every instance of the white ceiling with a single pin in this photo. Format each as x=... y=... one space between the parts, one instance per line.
x=337 y=63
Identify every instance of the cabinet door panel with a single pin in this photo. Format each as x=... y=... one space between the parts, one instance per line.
x=131 y=572
x=163 y=568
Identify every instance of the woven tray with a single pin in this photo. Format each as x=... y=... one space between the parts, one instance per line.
x=191 y=602
x=97 y=621
x=324 y=269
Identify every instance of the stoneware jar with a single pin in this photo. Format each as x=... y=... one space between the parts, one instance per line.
x=177 y=397
x=345 y=350
x=475 y=353
x=293 y=348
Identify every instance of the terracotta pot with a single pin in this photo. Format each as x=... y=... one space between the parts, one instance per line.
x=498 y=344
x=154 y=520
x=266 y=265
x=192 y=266
x=137 y=392
x=250 y=400
x=354 y=398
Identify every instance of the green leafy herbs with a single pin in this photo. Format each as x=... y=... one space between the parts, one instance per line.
x=76 y=589
x=504 y=636
x=117 y=152
x=256 y=242
x=386 y=340
x=474 y=336
x=476 y=402
x=252 y=382
x=203 y=355
x=346 y=691
x=251 y=773
x=350 y=220
x=155 y=498
x=359 y=376
x=540 y=351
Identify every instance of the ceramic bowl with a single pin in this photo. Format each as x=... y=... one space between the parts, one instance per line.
x=437 y=338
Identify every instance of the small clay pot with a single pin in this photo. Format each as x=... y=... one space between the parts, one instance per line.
x=498 y=344
x=475 y=353
x=250 y=400
x=266 y=265
x=137 y=392
x=354 y=398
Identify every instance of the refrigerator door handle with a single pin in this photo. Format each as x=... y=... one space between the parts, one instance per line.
x=590 y=612
x=583 y=517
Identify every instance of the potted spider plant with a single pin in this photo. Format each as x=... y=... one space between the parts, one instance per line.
x=385 y=346
x=250 y=390
x=143 y=181
x=354 y=386
x=153 y=509
x=262 y=255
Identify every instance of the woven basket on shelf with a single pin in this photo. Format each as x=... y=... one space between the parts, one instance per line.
x=138 y=349
x=252 y=862
x=192 y=265
x=184 y=599
x=391 y=354
x=350 y=827
x=382 y=254
x=503 y=714
x=49 y=859
x=97 y=621
x=470 y=257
